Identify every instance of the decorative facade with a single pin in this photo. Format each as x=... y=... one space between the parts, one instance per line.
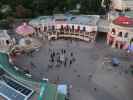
x=120 y=34
x=81 y=27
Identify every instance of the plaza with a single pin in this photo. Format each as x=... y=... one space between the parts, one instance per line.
x=91 y=76
x=68 y=58
x=66 y=50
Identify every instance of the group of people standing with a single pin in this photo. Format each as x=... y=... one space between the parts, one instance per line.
x=60 y=58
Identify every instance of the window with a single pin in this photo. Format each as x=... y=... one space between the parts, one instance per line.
x=53 y=27
x=113 y=30
x=84 y=29
x=61 y=27
x=67 y=27
x=78 y=29
x=61 y=19
x=120 y=34
x=126 y=35
x=73 y=27
x=7 y=42
x=3 y=42
x=45 y=28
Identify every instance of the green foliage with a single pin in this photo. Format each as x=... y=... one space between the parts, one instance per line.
x=90 y=6
x=31 y=8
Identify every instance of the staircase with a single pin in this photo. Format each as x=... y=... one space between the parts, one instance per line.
x=51 y=92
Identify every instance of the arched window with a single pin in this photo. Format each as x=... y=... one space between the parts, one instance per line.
x=61 y=27
x=7 y=42
x=78 y=29
x=45 y=28
x=113 y=30
x=39 y=29
x=84 y=29
x=120 y=34
x=35 y=29
x=72 y=27
x=53 y=27
x=126 y=35
x=67 y=27
x=3 y=42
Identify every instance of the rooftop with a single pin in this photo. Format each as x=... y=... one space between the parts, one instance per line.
x=71 y=19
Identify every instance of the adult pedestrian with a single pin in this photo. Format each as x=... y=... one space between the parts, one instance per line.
x=71 y=54
x=70 y=63
x=95 y=89
x=90 y=76
x=62 y=50
x=65 y=63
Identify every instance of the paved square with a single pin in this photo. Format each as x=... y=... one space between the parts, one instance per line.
x=90 y=77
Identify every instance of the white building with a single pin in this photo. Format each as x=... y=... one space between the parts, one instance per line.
x=128 y=4
x=83 y=27
x=5 y=41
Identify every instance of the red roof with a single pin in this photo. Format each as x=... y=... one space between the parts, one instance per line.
x=124 y=21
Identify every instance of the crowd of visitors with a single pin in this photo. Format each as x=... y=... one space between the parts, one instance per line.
x=60 y=58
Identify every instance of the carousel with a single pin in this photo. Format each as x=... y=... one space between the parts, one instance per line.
x=27 y=42
x=120 y=34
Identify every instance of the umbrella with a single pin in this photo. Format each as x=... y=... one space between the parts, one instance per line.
x=25 y=30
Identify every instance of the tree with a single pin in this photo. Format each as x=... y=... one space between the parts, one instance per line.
x=22 y=12
x=90 y=6
x=107 y=5
x=42 y=7
x=5 y=11
x=29 y=8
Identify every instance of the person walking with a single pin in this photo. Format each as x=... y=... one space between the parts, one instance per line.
x=65 y=63
x=70 y=63
x=64 y=51
x=71 y=54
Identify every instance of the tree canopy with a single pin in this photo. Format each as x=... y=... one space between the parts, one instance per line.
x=32 y=8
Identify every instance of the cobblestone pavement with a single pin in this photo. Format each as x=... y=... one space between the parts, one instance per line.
x=92 y=76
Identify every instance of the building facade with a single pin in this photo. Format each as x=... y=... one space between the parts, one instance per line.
x=120 y=34
x=83 y=27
